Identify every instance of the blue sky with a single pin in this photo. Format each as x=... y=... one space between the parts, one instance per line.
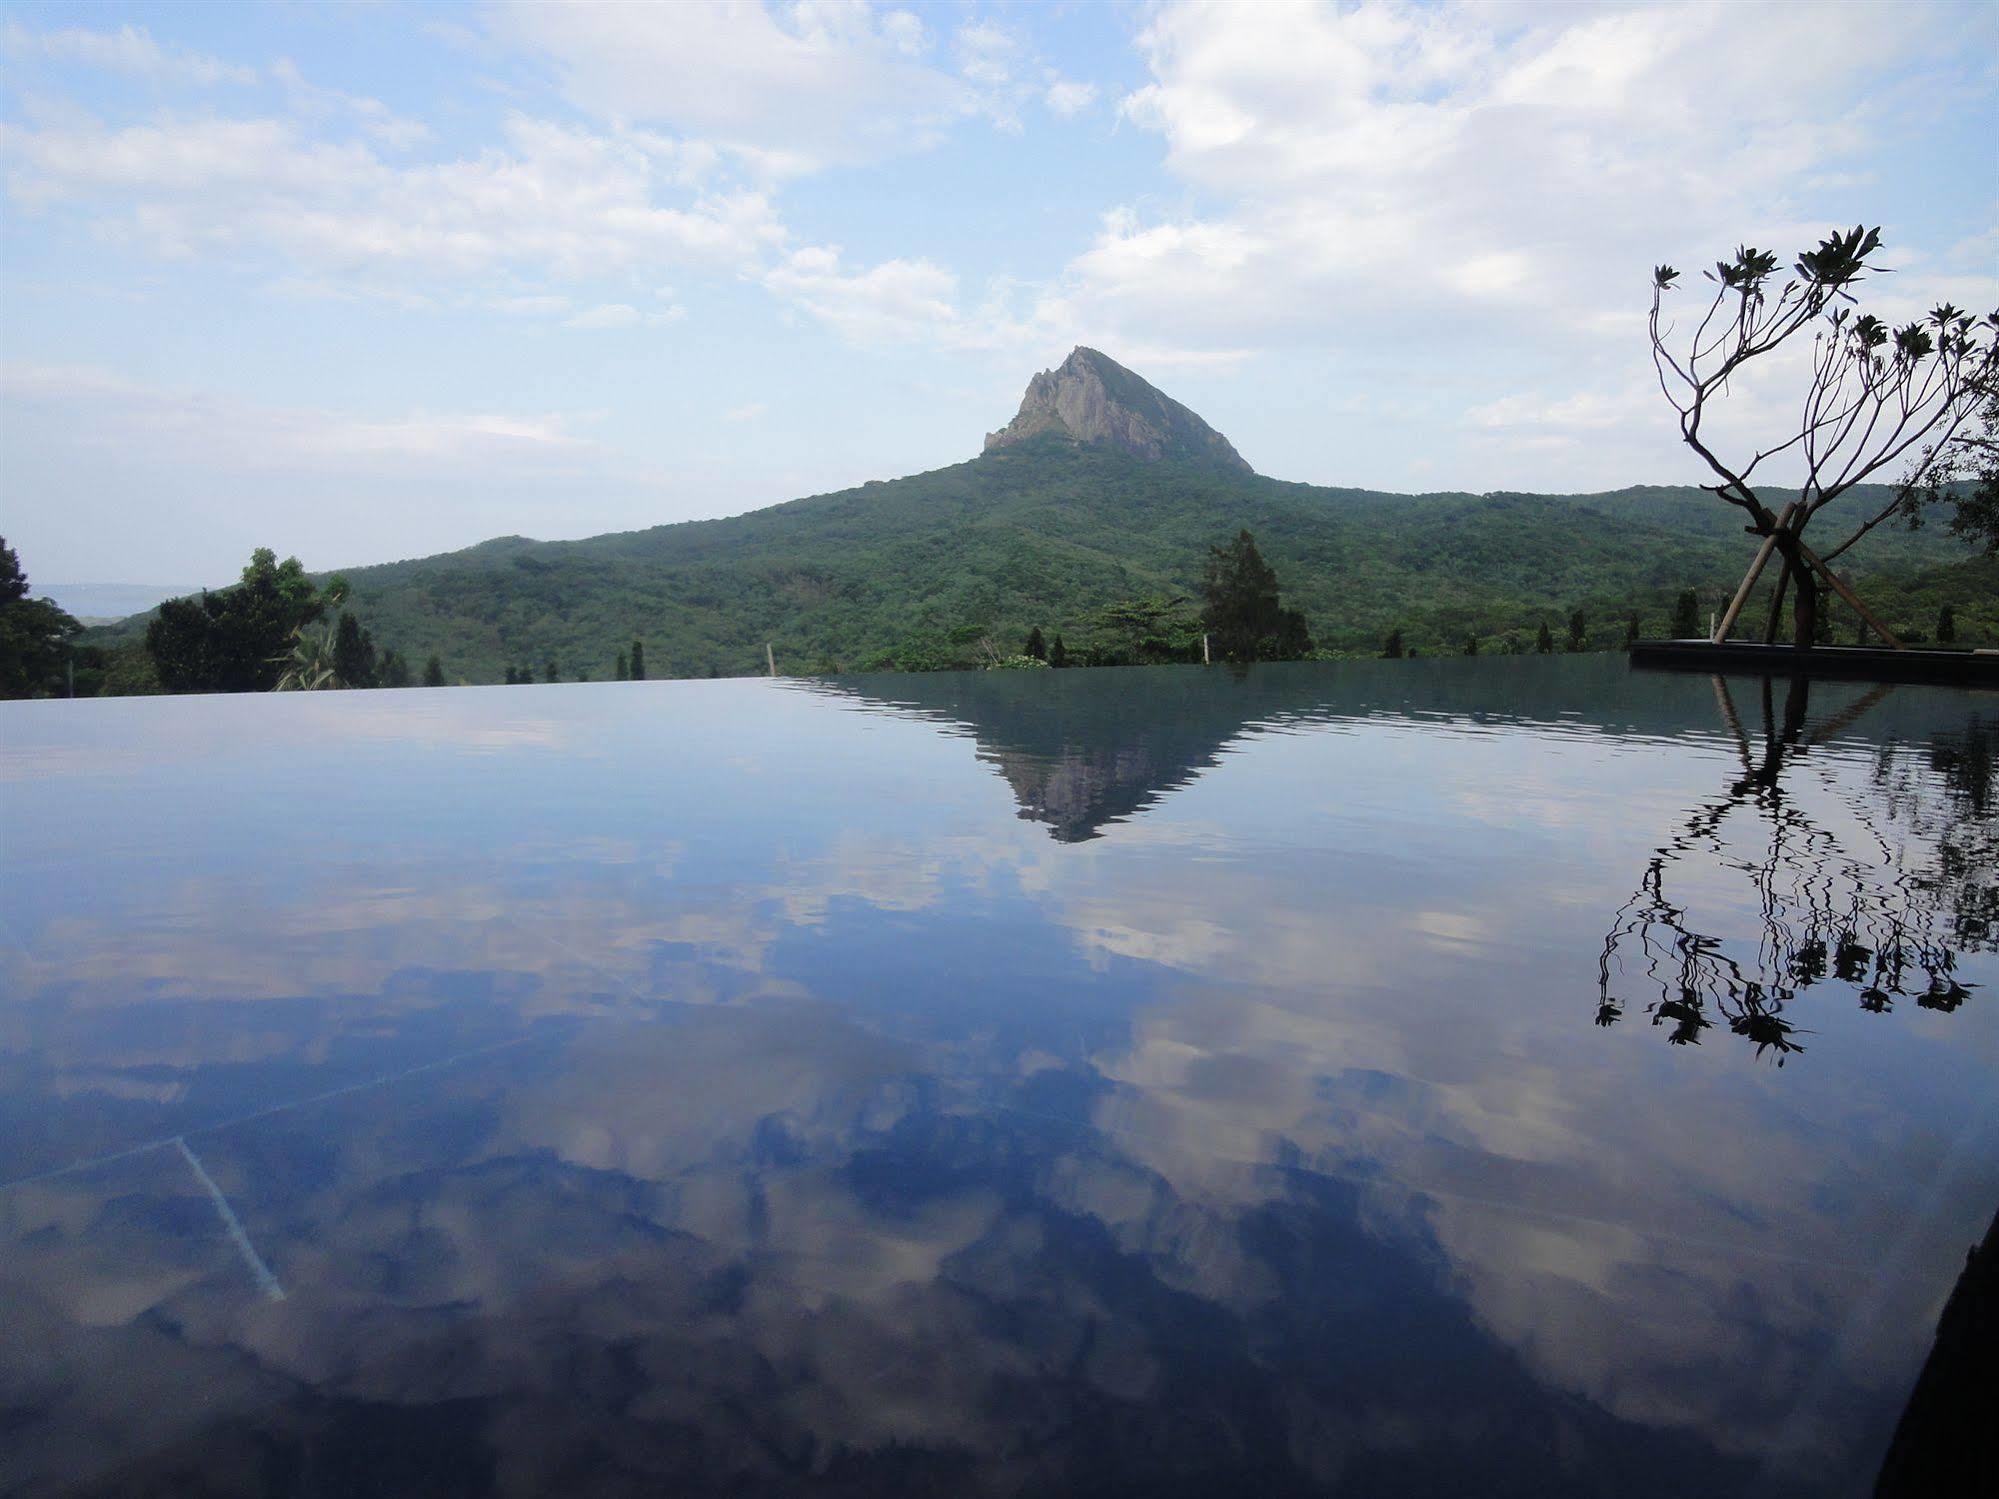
x=378 y=280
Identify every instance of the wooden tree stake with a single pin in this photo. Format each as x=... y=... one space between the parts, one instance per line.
x=1749 y=578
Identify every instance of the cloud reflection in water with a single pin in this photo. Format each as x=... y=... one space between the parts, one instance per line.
x=819 y=1124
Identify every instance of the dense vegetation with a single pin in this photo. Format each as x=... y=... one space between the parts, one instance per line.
x=957 y=566
x=34 y=635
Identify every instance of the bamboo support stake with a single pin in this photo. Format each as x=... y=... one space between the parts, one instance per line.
x=1749 y=578
x=770 y=658
x=1852 y=598
x=1726 y=701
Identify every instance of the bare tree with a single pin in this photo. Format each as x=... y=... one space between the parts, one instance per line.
x=1876 y=397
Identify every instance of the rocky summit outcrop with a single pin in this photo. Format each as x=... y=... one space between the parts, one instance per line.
x=1092 y=398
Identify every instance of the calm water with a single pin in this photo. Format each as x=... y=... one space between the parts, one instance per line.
x=1140 y=1082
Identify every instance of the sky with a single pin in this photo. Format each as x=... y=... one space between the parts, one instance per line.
x=374 y=281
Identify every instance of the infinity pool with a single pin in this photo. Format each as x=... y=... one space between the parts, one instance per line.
x=1500 y=1076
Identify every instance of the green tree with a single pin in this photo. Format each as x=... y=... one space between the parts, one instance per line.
x=1242 y=609
x=1687 y=615
x=1962 y=473
x=550 y=674
x=1631 y=632
x=1471 y=644
x=1058 y=653
x=1392 y=648
x=238 y=639
x=308 y=665
x=638 y=660
x=34 y=635
x=1578 y=631
x=1036 y=646
x=623 y=668
x=1946 y=625
x=394 y=670
x=433 y=672
x=1148 y=629
x=1545 y=641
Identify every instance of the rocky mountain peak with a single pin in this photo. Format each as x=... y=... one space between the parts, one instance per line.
x=1092 y=398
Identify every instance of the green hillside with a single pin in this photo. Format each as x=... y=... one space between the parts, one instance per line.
x=1043 y=532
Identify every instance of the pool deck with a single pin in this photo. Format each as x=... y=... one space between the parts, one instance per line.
x=1871 y=663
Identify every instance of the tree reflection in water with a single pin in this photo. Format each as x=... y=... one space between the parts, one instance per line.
x=1884 y=905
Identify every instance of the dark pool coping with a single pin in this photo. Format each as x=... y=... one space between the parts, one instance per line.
x=1872 y=663
x=1947 y=1442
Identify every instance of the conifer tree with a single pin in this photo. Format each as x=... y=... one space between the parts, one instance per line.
x=1687 y=615
x=433 y=672
x=1544 y=643
x=1243 y=612
x=638 y=660
x=353 y=653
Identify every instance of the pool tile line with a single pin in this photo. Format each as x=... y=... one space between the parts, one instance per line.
x=167 y=1142
x=259 y=1271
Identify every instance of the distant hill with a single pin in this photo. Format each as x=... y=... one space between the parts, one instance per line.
x=1101 y=488
x=109 y=601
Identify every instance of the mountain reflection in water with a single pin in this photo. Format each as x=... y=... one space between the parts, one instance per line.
x=740 y=1088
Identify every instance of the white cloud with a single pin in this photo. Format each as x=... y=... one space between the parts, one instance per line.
x=1586 y=411
x=283 y=435
x=610 y=315
x=129 y=49
x=896 y=301
x=1394 y=167
x=532 y=306
x=1067 y=97
x=555 y=200
x=128 y=475
x=623 y=315
x=375 y=118
x=789 y=88
x=987 y=53
x=747 y=413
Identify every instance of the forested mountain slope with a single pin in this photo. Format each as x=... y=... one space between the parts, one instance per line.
x=1045 y=531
